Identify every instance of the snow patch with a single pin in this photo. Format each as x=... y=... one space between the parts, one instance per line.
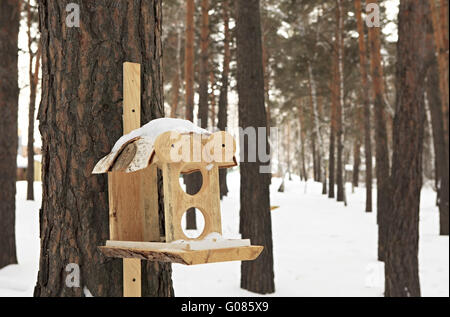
x=157 y=127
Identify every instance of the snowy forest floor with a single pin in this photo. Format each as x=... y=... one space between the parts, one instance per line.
x=321 y=247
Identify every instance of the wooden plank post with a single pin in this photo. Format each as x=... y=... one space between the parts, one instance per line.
x=133 y=201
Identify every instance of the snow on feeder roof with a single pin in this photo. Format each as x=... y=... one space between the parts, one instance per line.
x=169 y=140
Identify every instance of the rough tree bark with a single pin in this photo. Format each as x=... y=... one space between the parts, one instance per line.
x=223 y=98
x=402 y=267
x=80 y=120
x=256 y=224
x=366 y=105
x=381 y=139
x=9 y=101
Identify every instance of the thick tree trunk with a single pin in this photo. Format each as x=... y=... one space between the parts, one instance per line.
x=223 y=98
x=382 y=152
x=366 y=105
x=402 y=267
x=340 y=103
x=9 y=100
x=256 y=224
x=80 y=120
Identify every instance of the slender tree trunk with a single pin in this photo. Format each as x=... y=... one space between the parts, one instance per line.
x=189 y=60
x=316 y=124
x=288 y=144
x=366 y=105
x=340 y=103
x=9 y=100
x=256 y=224
x=402 y=265
x=80 y=120
x=382 y=152
x=356 y=160
x=223 y=98
x=175 y=95
x=33 y=79
x=331 y=160
x=193 y=181
x=212 y=98
x=203 y=105
x=302 y=139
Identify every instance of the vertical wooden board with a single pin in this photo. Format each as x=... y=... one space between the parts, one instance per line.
x=132 y=278
x=149 y=189
x=169 y=202
x=127 y=208
x=214 y=196
x=131 y=97
x=126 y=212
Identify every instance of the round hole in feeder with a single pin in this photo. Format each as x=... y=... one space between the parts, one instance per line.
x=200 y=221
x=195 y=178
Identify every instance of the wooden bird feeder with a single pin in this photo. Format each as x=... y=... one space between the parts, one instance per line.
x=133 y=195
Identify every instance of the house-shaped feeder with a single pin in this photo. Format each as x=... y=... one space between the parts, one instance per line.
x=174 y=147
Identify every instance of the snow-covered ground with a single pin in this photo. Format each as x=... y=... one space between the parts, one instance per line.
x=321 y=247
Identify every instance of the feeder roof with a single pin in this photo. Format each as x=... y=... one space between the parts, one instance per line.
x=136 y=150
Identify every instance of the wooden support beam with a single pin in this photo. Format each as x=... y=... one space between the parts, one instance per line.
x=133 y=203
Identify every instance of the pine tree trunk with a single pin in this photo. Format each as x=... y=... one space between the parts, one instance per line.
x=193 y=181
x=332 y=150
x=256 y=224
x=402 y=267
x=203 y=107
x=189 y=60
x=366 y=105
x=340 y=103
x=9 y=101
x=440 y=29
x=223 y=98
x=317 y=136
x=212 y=98
x=439 y=140
x=302 y=133
x=34 y=76
x=356 y=161
x=80 y=120
x=381 y=139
